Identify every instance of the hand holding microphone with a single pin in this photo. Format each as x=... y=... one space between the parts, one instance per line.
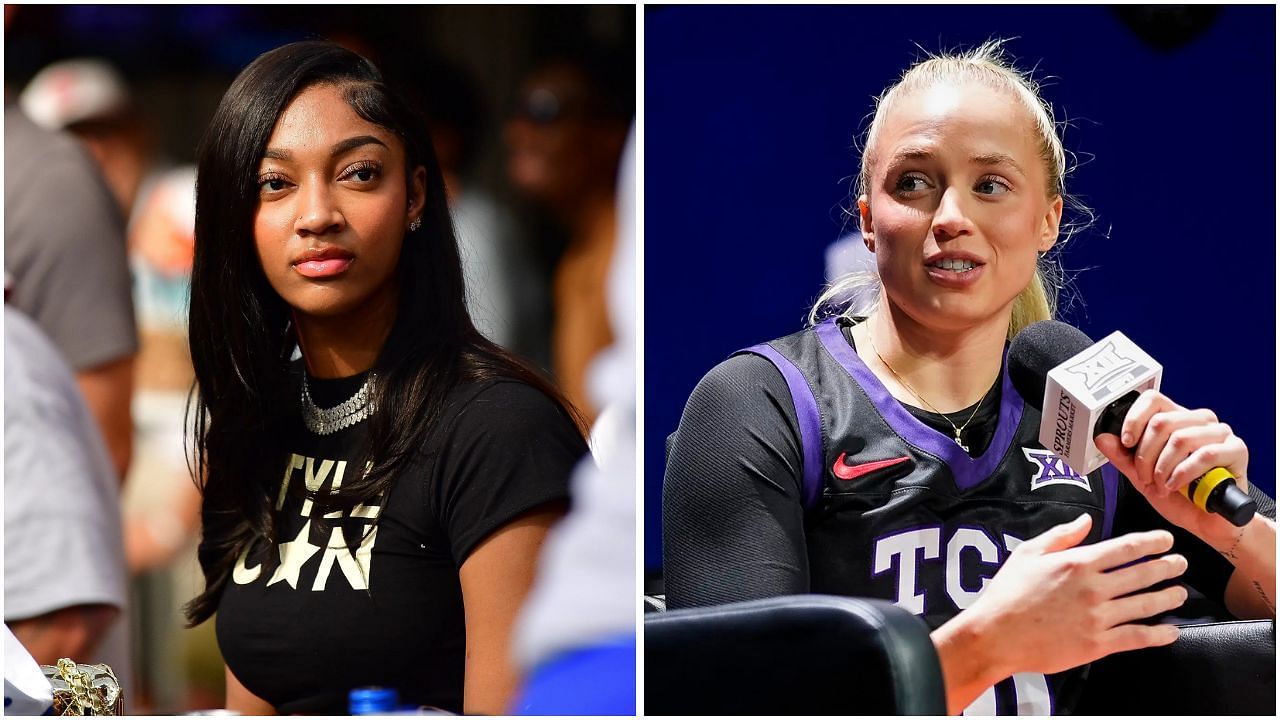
x=1090 y=392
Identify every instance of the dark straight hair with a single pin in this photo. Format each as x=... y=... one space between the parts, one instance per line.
x=241 y=332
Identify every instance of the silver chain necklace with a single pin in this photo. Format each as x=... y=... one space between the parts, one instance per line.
x=326 y=421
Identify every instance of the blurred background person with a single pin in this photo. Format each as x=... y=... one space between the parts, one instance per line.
x=88 y=98
x=502 y=295
x=576 y=642
x=65 y=267
x=467 y=63
x=161 y=503
x=70 y=342
x=64 y=572
x=92 y=101
x=565 y=139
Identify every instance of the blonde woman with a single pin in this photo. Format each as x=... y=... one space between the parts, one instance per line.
x=884 y=453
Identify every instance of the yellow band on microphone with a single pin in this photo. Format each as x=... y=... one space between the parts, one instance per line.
x=1198 y=490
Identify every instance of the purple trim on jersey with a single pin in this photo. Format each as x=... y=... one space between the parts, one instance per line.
x=1110 y=488
x=967 y=471
x=806 y=417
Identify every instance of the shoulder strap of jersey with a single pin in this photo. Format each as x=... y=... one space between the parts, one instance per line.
x=1111 y=490
x=807 y=417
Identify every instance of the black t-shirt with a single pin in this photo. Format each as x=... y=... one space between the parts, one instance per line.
x=344 y=601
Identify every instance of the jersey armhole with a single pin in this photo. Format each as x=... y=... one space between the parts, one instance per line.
x=807 y=417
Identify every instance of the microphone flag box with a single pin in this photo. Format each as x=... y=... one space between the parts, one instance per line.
x=1077 y=391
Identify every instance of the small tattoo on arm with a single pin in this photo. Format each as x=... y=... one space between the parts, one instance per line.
x=1230 y=553
x=1267 y=600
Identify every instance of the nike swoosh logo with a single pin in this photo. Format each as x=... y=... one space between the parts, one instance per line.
x=852 y=472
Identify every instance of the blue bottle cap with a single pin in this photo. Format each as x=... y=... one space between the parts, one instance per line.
x=371 y=700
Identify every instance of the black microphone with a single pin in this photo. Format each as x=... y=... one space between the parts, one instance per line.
x=1089 y=388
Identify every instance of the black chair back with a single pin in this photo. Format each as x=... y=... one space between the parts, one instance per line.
x=1221 y=668
x=796 y=655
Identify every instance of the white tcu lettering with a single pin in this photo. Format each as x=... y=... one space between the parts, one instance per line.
x=963 y=539
x=984 y=705
x=904 y=547
x=914 y=546
x=1031 y=690
x=1030 y=694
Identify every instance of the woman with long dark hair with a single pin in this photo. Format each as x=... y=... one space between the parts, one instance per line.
x=377 y=477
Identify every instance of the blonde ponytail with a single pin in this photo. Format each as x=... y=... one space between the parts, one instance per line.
x=1033 y=304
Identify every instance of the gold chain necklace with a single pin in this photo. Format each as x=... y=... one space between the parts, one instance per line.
x=958 y=430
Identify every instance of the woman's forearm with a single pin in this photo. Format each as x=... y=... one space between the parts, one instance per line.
x=1251 y=591
x=968 y=668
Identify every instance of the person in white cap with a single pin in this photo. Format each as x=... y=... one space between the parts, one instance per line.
x=89 y=98
x=65 y=259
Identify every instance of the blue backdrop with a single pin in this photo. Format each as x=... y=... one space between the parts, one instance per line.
x=750 y=119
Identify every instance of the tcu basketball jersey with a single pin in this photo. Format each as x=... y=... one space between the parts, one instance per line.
x=896 y=510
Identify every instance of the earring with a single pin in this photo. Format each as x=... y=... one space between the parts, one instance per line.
x=417 y=223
